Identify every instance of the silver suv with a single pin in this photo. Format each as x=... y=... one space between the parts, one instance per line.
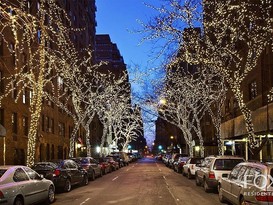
x=213 y=168
x=248 y=183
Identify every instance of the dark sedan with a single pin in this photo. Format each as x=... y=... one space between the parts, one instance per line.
x=105 y=165
x=92 y=167
x=63 y=173
x=114 y=164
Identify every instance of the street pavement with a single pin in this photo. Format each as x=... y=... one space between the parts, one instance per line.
x=146 y=182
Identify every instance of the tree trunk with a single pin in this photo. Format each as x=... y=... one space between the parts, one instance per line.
x=72 y=139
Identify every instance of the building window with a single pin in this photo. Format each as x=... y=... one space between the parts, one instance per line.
x=38 y=5
x=13 y=90
x=12 y=51
x=25 y=125
x=60 y=84
x=24 y=96
x=43 y=122
x=1 y=82
x=39 y=33
x=50 y=125
x=2 y=116
x=30 y=96
x=61 y=129
x=14 y=121
x=46 y=123
x=1 y=46
x=29 y=6
x=24 y=62
x=52 y=152
x=253 y=90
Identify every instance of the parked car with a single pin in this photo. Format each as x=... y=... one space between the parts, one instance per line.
x=189 y=167
x=166 y=159
x=63 y=173
x=213 y=168
x=123 y=158
x=92 y=167
x=20 y=185
x=248 y=183
x=105 y=165
x=178 y=164
x=117 y=159
x=114 y=164
x=174 y=159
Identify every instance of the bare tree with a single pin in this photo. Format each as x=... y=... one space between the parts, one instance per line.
x=37 y=41
x=233 y=36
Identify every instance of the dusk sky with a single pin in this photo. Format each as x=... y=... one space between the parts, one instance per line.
x=119 y=19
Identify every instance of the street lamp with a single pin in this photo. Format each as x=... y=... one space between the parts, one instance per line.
x=162 y=101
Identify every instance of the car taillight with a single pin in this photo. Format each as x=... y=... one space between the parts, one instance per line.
x=211 y=175
x=57 y=172
x=264 y=196
x=1 y=195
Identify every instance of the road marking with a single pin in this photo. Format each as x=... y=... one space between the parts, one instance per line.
x=167 y=185
x=115 y=178
x=127 y=169
x=85 y=201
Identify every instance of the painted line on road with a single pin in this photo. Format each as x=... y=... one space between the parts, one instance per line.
x=158 y=167
x=115 y=178
x=168 y=187
x=85 y=201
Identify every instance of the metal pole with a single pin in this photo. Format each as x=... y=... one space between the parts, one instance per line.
x=261 y=152
x=246 y=146
x=4 y=151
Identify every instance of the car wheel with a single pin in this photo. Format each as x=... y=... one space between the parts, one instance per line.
x=206 y=186
x=101 y=173
x=189 y=174
x=242 y=201
x=220 y=194
x=197 y=181
x=92 y=176
x=51 y=195
x=85 y=180
x=179 y=170
x=18 y=201
x=67 y=185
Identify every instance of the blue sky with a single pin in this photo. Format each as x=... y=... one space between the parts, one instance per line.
x=118 y=18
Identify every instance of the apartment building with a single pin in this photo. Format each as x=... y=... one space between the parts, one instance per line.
x=55 y=126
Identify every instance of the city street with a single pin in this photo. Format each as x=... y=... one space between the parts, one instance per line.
x=146 y=182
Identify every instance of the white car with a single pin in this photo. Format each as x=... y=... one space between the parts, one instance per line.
x=190 y=167
x=20 y=185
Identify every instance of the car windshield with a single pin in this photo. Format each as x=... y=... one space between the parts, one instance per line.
x=226 y=164
x=99 y=159
x=88 y=161
x=44 y=166
x=196 y=160
x=2 y=171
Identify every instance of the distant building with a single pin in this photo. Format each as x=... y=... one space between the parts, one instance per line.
x=107 y=51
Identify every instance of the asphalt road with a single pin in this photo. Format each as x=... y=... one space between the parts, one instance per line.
x=146 y=182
